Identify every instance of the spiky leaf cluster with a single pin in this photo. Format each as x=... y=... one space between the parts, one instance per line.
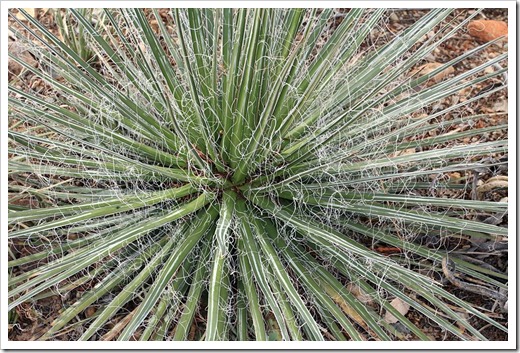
x=228 y=174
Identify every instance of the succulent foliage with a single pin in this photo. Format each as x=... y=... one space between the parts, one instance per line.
x=229 y=174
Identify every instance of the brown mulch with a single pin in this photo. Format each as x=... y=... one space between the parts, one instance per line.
x=31 y=321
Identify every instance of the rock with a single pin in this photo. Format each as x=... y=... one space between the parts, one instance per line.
x=393 y=17
x=19 y=50
x=487 y=30
x=427 y=68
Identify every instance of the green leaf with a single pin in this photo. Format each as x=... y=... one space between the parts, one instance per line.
x=286 y=282
x=171 y=266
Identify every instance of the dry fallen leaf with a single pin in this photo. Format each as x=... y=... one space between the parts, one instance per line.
x=500 y=106
x=463 y=318
x=30 y=11
x=430 y=67
x=19 y=50
x=359 y=293
x=455 y=177
x=90 y=311
x=403 y=152
x=347 y=309
x=400 y=306
x=72 y=236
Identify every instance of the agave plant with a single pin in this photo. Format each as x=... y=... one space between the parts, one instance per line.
x=232 y=174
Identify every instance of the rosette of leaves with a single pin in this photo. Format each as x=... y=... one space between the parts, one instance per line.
x=230 y=174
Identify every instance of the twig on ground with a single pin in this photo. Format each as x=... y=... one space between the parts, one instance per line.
x=474 y=288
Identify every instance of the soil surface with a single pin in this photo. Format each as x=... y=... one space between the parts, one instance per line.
x=30 y=321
